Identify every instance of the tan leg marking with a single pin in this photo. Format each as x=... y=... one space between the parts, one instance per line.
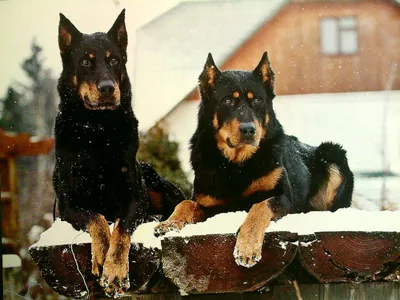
x=251 y=235
x=325 y=196
x=265 y=183
x=115 y=277
x=186 y=212
x=100 y=234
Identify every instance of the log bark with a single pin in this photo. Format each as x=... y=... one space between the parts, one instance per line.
x=59 y=268
x=205 y=264
x=350 y=256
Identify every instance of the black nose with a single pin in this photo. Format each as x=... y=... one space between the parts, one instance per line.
x=106 y=87
x=248 y=129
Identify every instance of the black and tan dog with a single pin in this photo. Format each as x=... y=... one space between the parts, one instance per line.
x=96 y=177
x=243 y=160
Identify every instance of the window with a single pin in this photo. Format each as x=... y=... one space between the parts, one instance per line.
x=339 y=35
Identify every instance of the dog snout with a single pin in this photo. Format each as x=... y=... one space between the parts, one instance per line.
x=106 y=88
x=248 y=129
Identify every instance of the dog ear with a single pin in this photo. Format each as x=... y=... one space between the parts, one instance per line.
x=210 y=72
x=67 y=33
x=118 y=31
x=264 y=72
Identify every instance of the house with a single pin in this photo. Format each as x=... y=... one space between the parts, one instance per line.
x=321 y=46
x=337 y=66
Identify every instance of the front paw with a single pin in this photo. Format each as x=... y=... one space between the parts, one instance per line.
x=247 y=253
x=168 y=225
x=115 y=278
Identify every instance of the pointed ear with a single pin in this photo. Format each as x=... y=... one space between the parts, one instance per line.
x=210 y=73
x=118 y=31
x=67 y=33
x=264 y=72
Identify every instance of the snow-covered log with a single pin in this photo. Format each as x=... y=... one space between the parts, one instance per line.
x=63 y=256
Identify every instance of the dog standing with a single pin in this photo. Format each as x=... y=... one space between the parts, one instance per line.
x=243 y=160
x=97 y=177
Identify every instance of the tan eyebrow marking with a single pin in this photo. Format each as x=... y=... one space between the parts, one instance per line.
x=108 y=53
x=236 y=94
x=91 y=55
x=250 y=95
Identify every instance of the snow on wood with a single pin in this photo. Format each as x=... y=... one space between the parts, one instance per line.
x=63 y=256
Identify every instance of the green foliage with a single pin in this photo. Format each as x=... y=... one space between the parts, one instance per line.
x=162 y=154
x=31 y=108
x=12 y=115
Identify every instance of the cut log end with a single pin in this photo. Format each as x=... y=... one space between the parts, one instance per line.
x=67 y=270
x=205 y=264
x=350 y=256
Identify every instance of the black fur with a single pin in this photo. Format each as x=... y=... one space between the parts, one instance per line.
x=96 y=168
x=305 y=168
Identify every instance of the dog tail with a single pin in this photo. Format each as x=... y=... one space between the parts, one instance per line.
x=332 y=180
x=163 y=194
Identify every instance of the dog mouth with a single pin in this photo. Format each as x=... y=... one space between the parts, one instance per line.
x=108 y=104
x=250 y=142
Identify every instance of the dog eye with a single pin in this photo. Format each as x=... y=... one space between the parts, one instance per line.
x=113 y=61
x=85 y=63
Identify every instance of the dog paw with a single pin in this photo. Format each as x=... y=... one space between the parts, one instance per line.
x=99 y=251
x=246 y=253
x=115 y=278
x=166 y=226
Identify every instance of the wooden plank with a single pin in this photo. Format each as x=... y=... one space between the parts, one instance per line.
x=362 y=291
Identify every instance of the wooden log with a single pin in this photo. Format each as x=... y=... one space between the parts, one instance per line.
x=350 y=256
x=59 y=268
x=205 y=264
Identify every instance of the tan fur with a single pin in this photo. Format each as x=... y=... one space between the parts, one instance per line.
x=186 y=212
x=324 y=198
x=267 y=118
x=236 y=94
x=66 y=39
x=211 y=73
x=91 y=55
x=156 y=200
x=116 y=266
x=108 y=53
x=251 y=234
x=209 y=201
x=239 y=153
x=75 y=80
x=90 y=93
x=265 y=183
x=100 y=234
x=250 y=95
x=215 y=121
x=264 y=72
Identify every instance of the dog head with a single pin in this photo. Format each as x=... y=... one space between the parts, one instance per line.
x=241 y=104
x=94 y=64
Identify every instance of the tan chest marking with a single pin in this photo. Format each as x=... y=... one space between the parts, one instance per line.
x=209 y=201
x=265 y=183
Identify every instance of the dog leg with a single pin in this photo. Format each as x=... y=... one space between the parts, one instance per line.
x=100 y=234
x=115 y=277
x=186 y=212
x=251 y=234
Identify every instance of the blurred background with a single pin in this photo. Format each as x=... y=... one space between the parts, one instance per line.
x=337 y=79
